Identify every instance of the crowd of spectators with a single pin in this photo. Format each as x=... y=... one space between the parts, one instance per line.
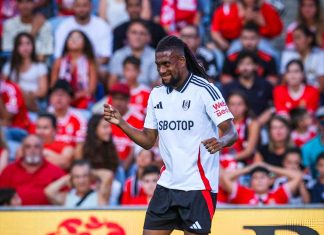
x=61 y=60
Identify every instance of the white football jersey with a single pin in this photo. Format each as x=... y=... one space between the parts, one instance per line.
x=184 y=117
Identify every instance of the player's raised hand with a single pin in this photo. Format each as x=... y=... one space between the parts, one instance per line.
x=213 y=145
x=111 y=114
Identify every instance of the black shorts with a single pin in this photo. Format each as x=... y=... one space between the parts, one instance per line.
x=171 y=209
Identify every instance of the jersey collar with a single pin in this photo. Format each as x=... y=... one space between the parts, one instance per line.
x=181 y=88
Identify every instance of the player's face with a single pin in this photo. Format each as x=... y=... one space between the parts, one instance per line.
x=81 y=178
x=60 y=100
x=247 y=68
x=249 y=40
x=278 y=131
x=237 y=106
x=149 y=183
x=32 y=150
x=260 y=182
x=320 y=167
x=144 y=158
x=104 y=130
x=25 y=47
x=131 y=73
x=294 y=75
x=44 y=129
x=292 y=161
x=167 y=63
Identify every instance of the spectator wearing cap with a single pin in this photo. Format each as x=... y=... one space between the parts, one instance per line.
x=56 y=152
x=250 y=40
x=35 y=24
x=257 y=90
x=71 y=124
x=138 y=37
x=120 y=96
x=190 y=35
x=259 y=192
x=314 y=147
x=134 y=9
x=31 y=173
x=97 y=30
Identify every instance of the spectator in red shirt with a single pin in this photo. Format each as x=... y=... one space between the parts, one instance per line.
x=4 y=154
x=250 y=40
x=258 y=193
x=227 y=23
x=30 y=174
x=57 y=153
x=175 y=14
x=295 y=93
x=264 y=15
x=77 y=66
x=120 y=95
x=139 y=93
x=309 y=14
x=248 y=132
x=303 y=129
x=133 y=188
x=13 y=115
x=71 y=125
x=149 y=180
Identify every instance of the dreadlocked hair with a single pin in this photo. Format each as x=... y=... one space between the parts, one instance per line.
x=169 y=43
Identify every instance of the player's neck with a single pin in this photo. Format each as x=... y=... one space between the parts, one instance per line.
x=183 y=77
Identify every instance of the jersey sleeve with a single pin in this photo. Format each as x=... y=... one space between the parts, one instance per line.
x=150 y=119
x=215 y=105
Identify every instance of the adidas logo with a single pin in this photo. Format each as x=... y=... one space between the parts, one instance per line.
x=158 y=106
x=196 y=225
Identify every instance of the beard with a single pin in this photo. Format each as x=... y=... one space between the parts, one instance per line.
x=33 y=159
x=172 y=83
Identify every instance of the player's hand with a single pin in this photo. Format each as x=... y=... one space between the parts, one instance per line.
x=111 y=114
x=213 y=145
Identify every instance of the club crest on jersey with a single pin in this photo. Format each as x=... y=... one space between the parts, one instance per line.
x=186 y=104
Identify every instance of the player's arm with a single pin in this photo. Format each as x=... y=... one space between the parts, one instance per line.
x=294 y=177
x=145 y=138
x=228 y=138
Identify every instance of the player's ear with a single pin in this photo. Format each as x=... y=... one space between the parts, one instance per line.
x=182 y=61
